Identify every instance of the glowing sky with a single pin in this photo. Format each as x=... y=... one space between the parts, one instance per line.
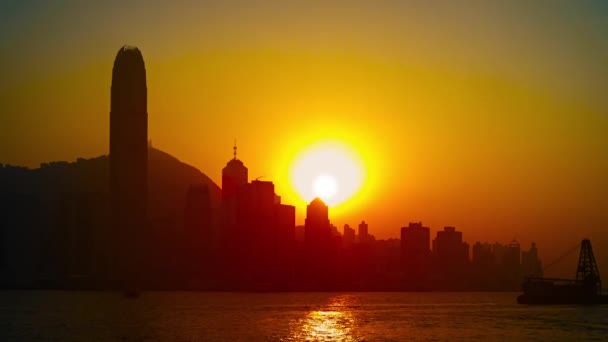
x=489 y=116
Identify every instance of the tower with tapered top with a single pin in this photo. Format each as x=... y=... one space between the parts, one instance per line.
x=234 y=175
x=128 y=158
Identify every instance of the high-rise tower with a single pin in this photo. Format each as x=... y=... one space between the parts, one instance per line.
x=321 y=247
x=234 y=176
x=234 y=179
x=128 y=156
x=317 y=222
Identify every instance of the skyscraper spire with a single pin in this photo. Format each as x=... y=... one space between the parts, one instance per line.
x=234 y=175
x=234 y=148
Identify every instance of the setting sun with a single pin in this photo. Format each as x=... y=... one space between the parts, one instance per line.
x=330 y=171
x=325 y=187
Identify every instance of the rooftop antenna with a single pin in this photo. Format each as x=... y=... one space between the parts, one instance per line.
x=234 y=148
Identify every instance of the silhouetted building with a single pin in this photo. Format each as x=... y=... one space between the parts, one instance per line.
x=416 y=254
x=317 y=222
x=510 y=266
x=285 y=245
x=234 y=176
x=300 y=233
x=512 y=254
x=129 y=162
x=449 y=247
x=484 y=271
x=258 y=235
x=322 y=247
x=256 y=221
x=21 y=234
x=498 y=267
x=530 y=263
x=199 y=239
x=198 y=211
x=483 y=255
x=415 y=240
x=363 y=232
x=498 y=250
x=286 y=222
x=256 y=200
x=348 y=236
x=451 y=256
x=334 y=230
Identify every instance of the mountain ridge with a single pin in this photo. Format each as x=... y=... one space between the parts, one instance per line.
x=168 y=180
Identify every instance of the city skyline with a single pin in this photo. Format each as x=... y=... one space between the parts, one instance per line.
x=80 y=235
x=499 y=143
x=303 y=170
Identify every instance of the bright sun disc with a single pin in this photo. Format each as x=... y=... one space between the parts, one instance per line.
x=325 y=187
x=329 y=171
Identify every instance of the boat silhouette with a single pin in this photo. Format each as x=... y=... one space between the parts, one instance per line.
x=586 y=289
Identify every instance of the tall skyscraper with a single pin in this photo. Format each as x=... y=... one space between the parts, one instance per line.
x=415 y=251
x=317 y=222
x=128 y=158
x=234 y=176
x=363 y=232
x=234 y=179
x=452 y=258
x=321 y=247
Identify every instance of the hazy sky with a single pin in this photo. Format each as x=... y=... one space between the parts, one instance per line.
x=489 y=116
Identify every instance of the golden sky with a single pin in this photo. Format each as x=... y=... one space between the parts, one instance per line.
x=488 y=116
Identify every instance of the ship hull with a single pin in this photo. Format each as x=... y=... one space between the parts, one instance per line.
x=562 y=300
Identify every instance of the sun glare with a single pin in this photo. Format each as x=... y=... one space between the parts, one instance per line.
x=325 y=187
x=329 y=171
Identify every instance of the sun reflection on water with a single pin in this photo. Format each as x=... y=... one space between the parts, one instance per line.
x=327 y=326
x=333 y=322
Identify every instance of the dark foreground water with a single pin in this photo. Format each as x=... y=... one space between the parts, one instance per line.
x=191 y=316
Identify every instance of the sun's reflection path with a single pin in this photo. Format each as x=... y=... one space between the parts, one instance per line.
x=334 y=323
x=327 y=326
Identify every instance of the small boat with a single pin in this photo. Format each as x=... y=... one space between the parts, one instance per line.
x=586 y=289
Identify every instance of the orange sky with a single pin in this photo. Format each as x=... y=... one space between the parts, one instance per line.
x=489 y=117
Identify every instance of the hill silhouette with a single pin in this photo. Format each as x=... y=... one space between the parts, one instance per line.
x=48 y=185
x=55 y=218
x=169 y=180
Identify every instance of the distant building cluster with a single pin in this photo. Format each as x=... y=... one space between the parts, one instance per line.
x=258 y=246
x=119 y=223
x=448 y=264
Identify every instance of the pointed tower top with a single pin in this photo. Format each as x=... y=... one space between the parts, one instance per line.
x=234 y=148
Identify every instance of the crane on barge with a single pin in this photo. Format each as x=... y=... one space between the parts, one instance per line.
x=586 y=288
